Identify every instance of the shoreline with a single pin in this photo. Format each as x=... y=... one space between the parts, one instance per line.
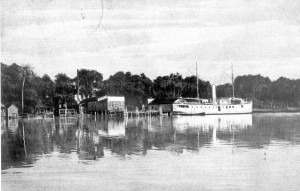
x=276 y=110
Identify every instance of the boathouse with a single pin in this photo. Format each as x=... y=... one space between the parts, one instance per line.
x=163 y=106
x=12 y=111
x=103 y=105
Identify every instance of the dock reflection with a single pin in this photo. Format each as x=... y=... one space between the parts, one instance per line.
x=24 y=140
x=127 y=136
x=93 y=136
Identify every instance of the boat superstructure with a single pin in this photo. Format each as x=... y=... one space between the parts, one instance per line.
x=196 y=106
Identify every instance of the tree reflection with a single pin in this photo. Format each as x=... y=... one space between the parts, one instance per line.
x=25 y=140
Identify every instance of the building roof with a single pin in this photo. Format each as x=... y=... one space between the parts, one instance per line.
x=94 y=99
x=13 y=105
x=163 y=101
x=91 y=99
x=111 y=98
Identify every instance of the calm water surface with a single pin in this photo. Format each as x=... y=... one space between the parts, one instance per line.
x=229 y=152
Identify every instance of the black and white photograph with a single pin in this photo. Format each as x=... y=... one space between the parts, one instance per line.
x=150 y=95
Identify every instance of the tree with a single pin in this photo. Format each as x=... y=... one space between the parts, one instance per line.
x=283 y=90
x=64 y=89
x=25 y=73
x=88 y=81
x=47 y=90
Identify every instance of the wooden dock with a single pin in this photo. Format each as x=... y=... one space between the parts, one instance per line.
x=67 y=113
x=141 y=113
x=126 y=113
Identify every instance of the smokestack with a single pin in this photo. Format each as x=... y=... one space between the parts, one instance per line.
x=214 y=99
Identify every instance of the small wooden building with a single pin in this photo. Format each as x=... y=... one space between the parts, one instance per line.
x=12 y=111
x=163 y=106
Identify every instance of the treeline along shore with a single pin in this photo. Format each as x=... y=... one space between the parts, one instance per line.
x=21 y=86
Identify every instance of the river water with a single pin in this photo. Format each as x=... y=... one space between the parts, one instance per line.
x=228 y=152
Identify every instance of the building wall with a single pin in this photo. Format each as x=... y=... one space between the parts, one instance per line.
x=116 y=105
x=164 y=107
x=108 y=104
x=97 y=106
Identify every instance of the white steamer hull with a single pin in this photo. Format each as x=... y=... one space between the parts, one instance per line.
x=210 y=109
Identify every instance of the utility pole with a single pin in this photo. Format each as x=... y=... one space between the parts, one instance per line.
x=197 y=80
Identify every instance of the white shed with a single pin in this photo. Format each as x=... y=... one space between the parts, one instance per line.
x=12 y=111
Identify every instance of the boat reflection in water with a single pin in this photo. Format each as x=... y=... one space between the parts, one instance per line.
x=127 y=136
x=192 y=132
x=219 y=126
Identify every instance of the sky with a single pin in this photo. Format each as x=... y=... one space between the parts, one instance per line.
x=154 y=37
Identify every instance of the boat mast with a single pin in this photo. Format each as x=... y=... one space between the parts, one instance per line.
x=232 y=79
x=197 y=80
